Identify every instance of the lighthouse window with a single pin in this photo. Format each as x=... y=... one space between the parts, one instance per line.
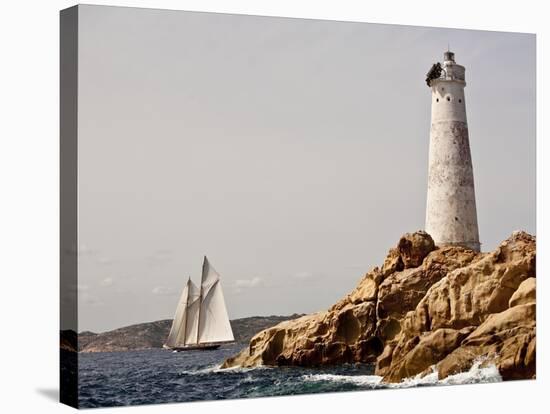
x=460 y=100
x=448 y=98
x=437 y=99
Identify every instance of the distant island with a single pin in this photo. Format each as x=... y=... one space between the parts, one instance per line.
x=151 y=335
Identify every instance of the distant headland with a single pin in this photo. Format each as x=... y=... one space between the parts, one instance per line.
x=152 y=335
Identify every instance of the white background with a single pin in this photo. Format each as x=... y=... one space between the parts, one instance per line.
x=29 y=208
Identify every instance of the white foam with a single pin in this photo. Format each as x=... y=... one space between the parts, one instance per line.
x=205 y=370
x=235 y=369
x=217 y=368
x=371 y=381
x=475 y=375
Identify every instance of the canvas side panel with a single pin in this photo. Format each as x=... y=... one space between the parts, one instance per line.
x=68 y=206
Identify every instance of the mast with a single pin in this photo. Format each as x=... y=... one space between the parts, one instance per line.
x=200 y=299
x=186 y=311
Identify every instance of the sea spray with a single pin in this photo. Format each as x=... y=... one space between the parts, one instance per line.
x=475 y=375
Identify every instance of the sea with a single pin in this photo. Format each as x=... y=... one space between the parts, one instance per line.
x=158 y=376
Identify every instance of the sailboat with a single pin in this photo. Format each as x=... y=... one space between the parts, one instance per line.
x=201 y=320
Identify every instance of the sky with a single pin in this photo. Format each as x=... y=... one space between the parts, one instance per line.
x=292 y=152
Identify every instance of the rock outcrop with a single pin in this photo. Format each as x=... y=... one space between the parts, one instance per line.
x=507 y=338
x=426 y=306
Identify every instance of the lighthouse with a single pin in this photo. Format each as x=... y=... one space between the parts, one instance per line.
x=451 y=216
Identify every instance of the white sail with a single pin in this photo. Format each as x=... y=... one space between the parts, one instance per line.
x=179 y=318
x=201 y=315
x=192 y=320
x=209 y=277
x=214 y=323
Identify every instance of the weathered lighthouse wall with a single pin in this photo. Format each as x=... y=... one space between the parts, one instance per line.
x=451 y=217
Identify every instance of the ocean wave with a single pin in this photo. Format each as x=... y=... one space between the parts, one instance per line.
x=218 y=369
x=206 y=370
x=371 y=381
x=475 y=375
x=243 y=369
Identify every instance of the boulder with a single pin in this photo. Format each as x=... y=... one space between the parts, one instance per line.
x=506 y=339
x=401 y=291
x=526 y=293
x=414 y=247
x=420 y=353
x=367 y=289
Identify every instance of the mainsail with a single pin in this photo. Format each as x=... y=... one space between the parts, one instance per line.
x=214 y=323
x=201 y=316
x=192 y=324
x=179 y=318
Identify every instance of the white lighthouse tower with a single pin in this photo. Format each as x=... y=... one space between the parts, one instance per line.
x=451 y=217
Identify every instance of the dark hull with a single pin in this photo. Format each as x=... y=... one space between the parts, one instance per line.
x=199 y=347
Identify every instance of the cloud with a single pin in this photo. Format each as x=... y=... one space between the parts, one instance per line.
x=303 y=275
x=163 y=291
x=108 y=281
x=84 y=250
x=159 y=257
x=242 y=284
x=82 y=288
x=249 y=283
x=90 y=299
x=105 y=261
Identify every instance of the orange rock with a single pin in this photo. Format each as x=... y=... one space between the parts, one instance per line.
x=425 y=306
x=526 y=293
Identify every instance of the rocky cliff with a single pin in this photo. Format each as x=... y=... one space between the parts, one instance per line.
x=425 y=307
